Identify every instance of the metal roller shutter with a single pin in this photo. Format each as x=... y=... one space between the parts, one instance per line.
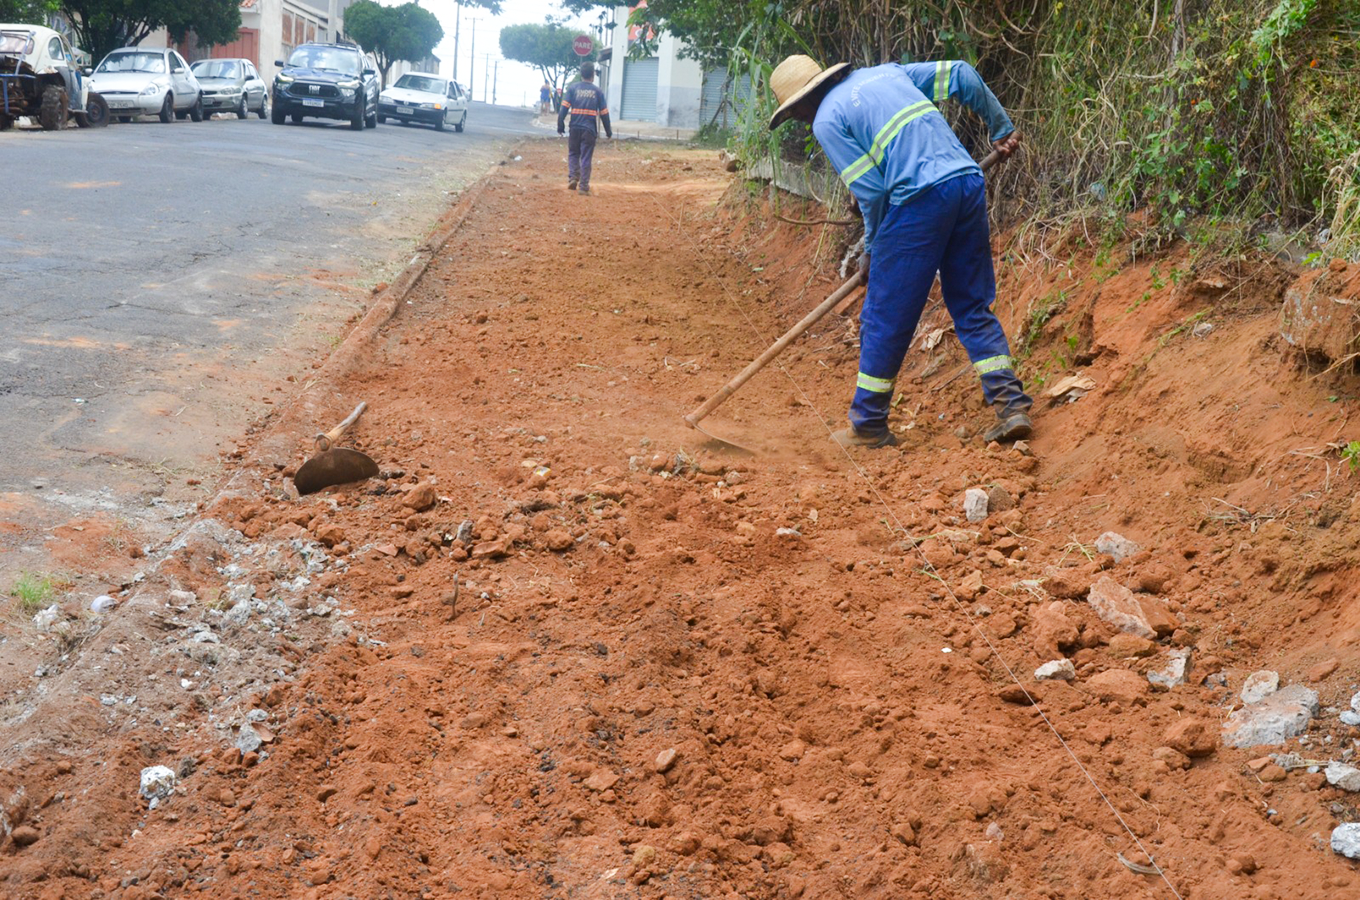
x=639 y=89
x=714 y=81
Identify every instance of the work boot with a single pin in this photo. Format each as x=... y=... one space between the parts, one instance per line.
x=571 y=185
x=585 y=190
x=1011 y=425
x=853 y=437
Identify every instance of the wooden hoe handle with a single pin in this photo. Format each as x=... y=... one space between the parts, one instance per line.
x=325 y=439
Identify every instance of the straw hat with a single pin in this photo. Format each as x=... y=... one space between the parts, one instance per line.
x=797 y=78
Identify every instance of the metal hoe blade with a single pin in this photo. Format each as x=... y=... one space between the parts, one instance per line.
x=340 y=466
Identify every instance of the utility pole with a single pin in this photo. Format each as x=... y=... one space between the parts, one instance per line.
x=486 y=76
x=457 y=23
x=472 y=55
x=495 y=79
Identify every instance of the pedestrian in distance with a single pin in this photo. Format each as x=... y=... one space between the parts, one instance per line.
x=584 y=104
x=924 y=205
x=544 y=99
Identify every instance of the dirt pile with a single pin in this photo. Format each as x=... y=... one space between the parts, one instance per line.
x=561 y=649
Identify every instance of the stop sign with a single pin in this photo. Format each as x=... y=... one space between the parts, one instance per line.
x=583 y=45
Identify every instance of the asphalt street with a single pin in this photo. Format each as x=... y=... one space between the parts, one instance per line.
x=156 y=277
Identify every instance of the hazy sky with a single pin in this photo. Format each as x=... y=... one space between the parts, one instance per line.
x=517 y=84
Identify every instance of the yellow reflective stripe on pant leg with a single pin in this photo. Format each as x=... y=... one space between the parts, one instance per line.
x=876 y=385
x=942 y=81
x=860 y=167
x=992 y=364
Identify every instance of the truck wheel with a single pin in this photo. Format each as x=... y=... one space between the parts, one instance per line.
x=356 y=122
x=277 y=114
x=52 y=114
x=96 y=113
x=167 y=113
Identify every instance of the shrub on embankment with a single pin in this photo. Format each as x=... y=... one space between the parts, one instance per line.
x=1230 y=110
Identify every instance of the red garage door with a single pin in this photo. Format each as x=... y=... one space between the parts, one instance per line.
x=246 y=46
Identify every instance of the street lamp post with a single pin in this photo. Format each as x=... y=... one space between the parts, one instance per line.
x=457 y=23
x=472 y=56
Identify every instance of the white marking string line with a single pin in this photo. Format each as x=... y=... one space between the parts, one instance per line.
x=928 y=566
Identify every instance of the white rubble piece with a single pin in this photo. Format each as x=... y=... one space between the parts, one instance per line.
x=1274 y=720
x=158 y=782
x=1175 y=672
x=1116 y=545
x=975 y=502
x=1343 y=776
x=1056 y=670
x=103 y=604
x=1346 y=840
x=1260 y=685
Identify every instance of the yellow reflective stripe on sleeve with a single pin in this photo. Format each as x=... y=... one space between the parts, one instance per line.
x=993 y=364
x=942 y=81
x=862 y=166
x=877 y=385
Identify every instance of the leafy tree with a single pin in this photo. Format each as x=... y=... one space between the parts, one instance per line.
x=391 y=33
x=26 y=12
x=104 y=25
x=546 y=47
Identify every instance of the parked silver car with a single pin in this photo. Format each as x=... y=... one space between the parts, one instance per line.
x=231 y=86
x=148 y=81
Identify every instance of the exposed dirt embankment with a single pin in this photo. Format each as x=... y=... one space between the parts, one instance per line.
x=563 y=649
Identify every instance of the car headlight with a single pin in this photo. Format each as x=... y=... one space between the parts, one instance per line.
x=435 y=105
x=348 y=85
x=347 y=93
x=152 y=88
x=283 y=79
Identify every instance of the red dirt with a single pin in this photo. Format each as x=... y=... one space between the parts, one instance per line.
x=670 y=673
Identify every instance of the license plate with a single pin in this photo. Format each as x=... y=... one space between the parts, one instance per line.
x=405 y=110
x=313 y=102
x=120 y=104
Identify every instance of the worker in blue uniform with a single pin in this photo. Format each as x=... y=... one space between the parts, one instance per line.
x=925 y=211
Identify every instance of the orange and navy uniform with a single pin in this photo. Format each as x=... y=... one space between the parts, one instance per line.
x=584 y=102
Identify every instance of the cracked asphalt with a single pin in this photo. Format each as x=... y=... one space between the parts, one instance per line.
x=161 y=281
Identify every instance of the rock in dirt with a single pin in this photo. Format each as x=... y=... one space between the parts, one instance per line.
x=1117 y=685
x=24 y=835
x=666 y=759
x=1126 y=646
x=1146 y=617
x=793 y=750
x=1056 y=670
x=999 y=499
x=1323 y=670
x=602 y=780
x=248 y=740
x=1260 y=685
x=558 y=539
x=1116 y=545
x=157 y=783
x=1053 y=631
x=1274 y=720
x=1175 y=672
x=103 y=604
x=1346 y=840
x=975 y=504
x=421 y=497
x=490 y=550
x=1066 y=584
x=1026 y=695
x=1192 y=736
x=1343 y=776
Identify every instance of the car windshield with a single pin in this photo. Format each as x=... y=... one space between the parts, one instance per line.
x=133 y=62
x=421 y=83
x=330 y=59
x=217 y=68
x=10 y=42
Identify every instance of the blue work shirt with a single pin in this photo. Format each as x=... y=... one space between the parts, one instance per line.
x=883 y=131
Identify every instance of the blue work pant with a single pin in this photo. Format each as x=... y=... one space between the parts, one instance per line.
x=580 y=154
x=942 y=229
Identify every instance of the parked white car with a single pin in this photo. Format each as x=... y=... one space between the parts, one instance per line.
x=148 y=81
x=424 y=98
x=231 y=86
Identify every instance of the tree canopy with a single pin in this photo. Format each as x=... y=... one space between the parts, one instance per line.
x=104 y=25
x=391 y=33
x=546 y=47
x=26 y=12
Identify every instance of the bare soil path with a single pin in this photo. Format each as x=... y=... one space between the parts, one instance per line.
x=564 y=650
